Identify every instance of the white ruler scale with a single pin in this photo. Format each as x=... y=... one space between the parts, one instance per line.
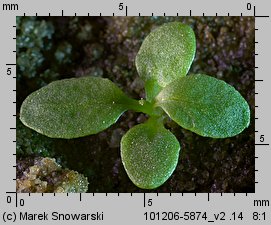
x=135 y=208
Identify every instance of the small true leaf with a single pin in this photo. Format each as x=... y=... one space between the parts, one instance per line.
x=165 y=55
x=149 y=154
x=73 y=108
x=206 y=106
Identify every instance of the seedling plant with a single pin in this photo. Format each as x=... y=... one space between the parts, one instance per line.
x=78 y=107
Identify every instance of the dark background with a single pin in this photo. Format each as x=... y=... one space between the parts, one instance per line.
x=54 y=48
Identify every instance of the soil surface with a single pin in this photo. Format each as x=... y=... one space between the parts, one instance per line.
x=53 y=48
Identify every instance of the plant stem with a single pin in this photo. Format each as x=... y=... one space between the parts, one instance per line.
x=142 y=106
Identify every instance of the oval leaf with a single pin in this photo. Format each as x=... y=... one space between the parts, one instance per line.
x=206 y=106
x=149 y=154
x=73 y=108
x=165 y=55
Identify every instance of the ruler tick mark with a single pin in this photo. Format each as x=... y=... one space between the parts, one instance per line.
x=144 y=198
